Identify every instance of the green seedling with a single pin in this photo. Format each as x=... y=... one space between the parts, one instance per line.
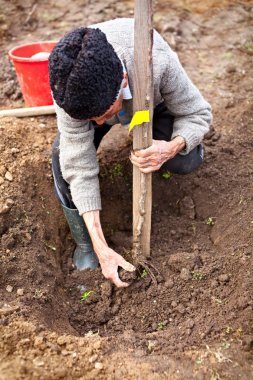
x=86 y=295
x=210 y=221
x=117 y=170
x=215 y=376
x=143 y=273
x=242 y=201
x=199 y=361
x=50 y=246
x=167 y=175
x=38 y=293
x=228 y=55
x=248 y=46
x=226 y=345
x=229 y=330
x=198 y=275
x=161 y=326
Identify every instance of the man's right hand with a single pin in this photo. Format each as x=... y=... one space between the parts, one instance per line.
x=110 y=261
x=108 y=258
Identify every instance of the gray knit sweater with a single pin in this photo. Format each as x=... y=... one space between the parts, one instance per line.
x=192 y=113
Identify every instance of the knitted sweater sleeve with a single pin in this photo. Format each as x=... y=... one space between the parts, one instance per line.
x=192 y=113
x=78 y=161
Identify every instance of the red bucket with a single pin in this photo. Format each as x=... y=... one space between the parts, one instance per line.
x=32 y=72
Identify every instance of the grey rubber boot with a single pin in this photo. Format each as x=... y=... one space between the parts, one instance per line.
x=84 y=255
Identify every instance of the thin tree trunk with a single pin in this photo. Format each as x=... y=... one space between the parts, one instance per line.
x=142 y=134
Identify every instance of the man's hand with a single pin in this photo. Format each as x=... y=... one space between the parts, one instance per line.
x=151 y=159
x=109 y=259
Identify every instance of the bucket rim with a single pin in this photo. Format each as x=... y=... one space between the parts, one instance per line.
x=28 y=59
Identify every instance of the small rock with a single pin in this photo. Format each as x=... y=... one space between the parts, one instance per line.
x=173 y=304
x=1 y=180
x=223 y=278
x=40 y=342
x=8 y=176
x=187 y=207
x=214 y=284
x=173 y=232
x=2 y=170
x=4 y=209
x=54 y=347
x=185 y=274
x=106 y=289
x=20 y=292
x=93 y=358
x=97 y=345
x=181 y=309
x=65 y=352
x=9 y=202
x=38 y=362
x=62 y=340
x=9 y=288
x=169 y=284
x=190 y=323
x=230 y=103
x=99 y=365
x=28 y=236
x=15 y=150
x=42 y=125
x=231 y=68
x=248 y=342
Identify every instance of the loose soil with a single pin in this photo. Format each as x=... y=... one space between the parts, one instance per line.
x=196 y=322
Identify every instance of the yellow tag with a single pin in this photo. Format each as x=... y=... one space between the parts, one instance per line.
x=139 y=117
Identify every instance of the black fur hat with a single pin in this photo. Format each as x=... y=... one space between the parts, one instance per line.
x=85 y=73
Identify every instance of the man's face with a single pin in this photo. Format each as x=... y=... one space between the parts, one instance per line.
x=113 y=110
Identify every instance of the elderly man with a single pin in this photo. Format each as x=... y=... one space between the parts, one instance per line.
x=91 y=78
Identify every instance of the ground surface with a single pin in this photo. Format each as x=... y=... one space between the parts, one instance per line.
x=196 y=323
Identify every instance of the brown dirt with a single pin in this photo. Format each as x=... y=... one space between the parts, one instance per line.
x=196 y=323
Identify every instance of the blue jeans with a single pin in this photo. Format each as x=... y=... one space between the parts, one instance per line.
x=162 y=130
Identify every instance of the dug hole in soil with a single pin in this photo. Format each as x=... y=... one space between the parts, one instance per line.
x=196 y=322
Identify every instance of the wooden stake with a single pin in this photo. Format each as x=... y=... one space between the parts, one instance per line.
x=142 y=134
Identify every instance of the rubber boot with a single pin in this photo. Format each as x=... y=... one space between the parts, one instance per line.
x=84 y=255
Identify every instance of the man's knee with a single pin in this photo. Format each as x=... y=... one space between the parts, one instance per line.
x=186 y=164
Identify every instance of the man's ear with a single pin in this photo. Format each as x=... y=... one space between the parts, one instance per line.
x=126 y=80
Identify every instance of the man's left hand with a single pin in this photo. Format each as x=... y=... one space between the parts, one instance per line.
x=151 y=159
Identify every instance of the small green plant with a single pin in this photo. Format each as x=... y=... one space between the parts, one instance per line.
x=50 y=246
x=242 y=201
x=248 y=46
x=161 y=325
x=38 y=293
x=167 y=175
x=86 y=295
x=143 y=273
x=215 y=376
x=197 y=275
x=210 y=221
x=199 y=361
x=228 y=55
x=117 y=170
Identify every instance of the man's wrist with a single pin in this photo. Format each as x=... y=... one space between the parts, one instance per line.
x=180 y=143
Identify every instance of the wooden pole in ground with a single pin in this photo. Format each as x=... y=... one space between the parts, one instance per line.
x=142 y=134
